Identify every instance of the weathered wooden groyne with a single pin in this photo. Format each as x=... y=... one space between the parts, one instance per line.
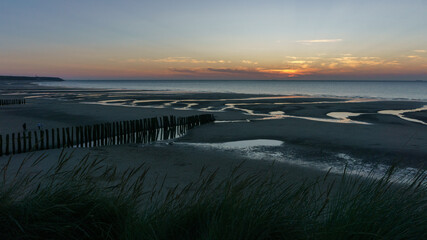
x=12 y=101
x=112 y=133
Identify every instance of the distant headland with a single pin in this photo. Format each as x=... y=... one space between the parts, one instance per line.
x=34 y=79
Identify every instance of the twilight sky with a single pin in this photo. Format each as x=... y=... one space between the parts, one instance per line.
x=234 y=39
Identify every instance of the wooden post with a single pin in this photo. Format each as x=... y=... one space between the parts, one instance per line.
x=95 y=135
x=68 y=137
x=19 y=143
x=72 y=136
x=58 y=139
x=41 y=140
x=7 y=144
x=36 y=141
x=104 y=133
x=1 y=145
x=119 y=133
x=77 y=136
x=113 y=133
x=116 y=133
x=81 y=136
x=64 y=142
x=53 y=138
x=125 y=131
x=101 y=134
x=90 y=139
x=131 y=131
x=47 y=138
x=86 y=137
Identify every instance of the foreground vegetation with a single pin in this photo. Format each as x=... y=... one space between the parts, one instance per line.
x=89 y=200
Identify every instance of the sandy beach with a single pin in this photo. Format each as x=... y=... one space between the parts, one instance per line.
x=313 y=139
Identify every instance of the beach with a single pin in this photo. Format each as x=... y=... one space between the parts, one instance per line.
x=313 y=140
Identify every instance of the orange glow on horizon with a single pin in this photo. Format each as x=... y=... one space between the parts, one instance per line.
x=181 y=67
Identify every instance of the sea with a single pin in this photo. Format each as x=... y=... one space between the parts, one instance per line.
x=396 y=90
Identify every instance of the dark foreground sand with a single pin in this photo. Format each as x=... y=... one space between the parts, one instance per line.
x=385 y=139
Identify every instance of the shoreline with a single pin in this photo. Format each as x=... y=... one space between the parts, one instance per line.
x=231 y=92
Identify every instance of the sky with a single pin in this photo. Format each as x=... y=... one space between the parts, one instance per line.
x=234 y=39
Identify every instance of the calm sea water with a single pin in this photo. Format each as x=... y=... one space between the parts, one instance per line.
x=413 y=90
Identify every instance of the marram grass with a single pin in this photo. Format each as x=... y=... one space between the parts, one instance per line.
x=90 y=200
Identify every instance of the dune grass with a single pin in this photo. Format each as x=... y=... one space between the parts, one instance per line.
x=90 y=200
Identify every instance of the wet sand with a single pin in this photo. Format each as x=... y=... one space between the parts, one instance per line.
x=385 y=138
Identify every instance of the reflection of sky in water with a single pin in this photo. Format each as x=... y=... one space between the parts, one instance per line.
x=190 y=104
x=274 y=150
x=239 y=104
x=400 y=113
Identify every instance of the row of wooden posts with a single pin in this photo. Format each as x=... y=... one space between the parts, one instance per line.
x=115 y=133
x=11 y=101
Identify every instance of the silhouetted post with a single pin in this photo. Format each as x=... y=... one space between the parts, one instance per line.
x=77 y=136
x=101 y=134
x=131 y=131
x=19 y=143
x=90 y=139
x=125 y=131
x=95 y=135
x=129 y=137
x=81 y=136
x=107 y=133
x=138 y=131
x=86 y=137
x=113 y=133
x=47 y=138
x=1 y=145
x=58 y=139
x=68 y=137
x=141 y=129
x=53 y=137
x=7 y=144
x=64 y=141
x=134 y=131
x=72 y=137
x=116 y=132
x=104 y=134
x=36 y=141
x=41 y=140
x=98 y=135
x=121 y=133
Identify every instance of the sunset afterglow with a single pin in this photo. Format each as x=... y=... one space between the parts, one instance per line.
x=348 y=40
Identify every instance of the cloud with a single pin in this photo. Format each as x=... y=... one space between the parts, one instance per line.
x=184 y=70
x=238 y=70
x=275 y=72
x=358 y=61
x=177 y=60
x=420 y=51
x=249 y=62
x=300 y=62
x=320 y=41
